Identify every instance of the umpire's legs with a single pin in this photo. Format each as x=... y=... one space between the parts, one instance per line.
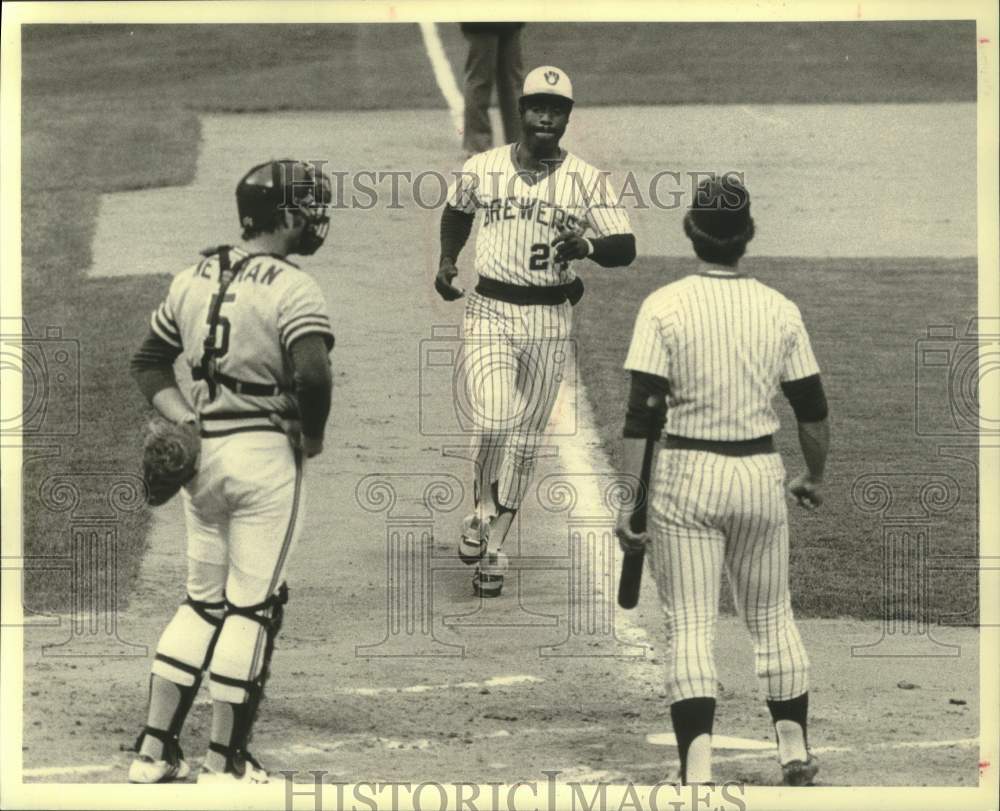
x=480 y=67
x=510 y=78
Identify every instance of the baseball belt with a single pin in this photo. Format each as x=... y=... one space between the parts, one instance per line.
x=738 y=447
x=530 y=294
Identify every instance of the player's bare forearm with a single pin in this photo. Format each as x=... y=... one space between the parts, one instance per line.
x=630 y=538
x=633 y=450
x=814 y=439
x=644 y=420
x=172 y=405
x=808 y=401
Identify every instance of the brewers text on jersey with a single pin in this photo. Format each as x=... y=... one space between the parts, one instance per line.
x=543 y=210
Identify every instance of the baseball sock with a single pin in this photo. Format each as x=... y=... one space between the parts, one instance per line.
x=223 y=720
x=692 y=720
x=790 y=727
x=164 y=703
x=485 y=503
x=501 y=526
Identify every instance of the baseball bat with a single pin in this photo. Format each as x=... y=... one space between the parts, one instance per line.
x=630 y=580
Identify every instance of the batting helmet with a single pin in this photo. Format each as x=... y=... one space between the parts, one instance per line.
x=548 y=81
x=281 y=185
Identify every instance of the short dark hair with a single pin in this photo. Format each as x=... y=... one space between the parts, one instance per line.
x=718 y=223
x=262 y=226
x=717 y=250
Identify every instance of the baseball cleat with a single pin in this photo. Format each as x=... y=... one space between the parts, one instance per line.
x=252 y=774
x=487 y=581
x=146 y=770
x=799 y=772
x=472 y=544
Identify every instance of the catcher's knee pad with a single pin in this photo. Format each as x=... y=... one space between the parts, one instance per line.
x=185 y=647
x=239 y=664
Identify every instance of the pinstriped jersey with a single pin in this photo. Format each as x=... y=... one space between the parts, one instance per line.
x=521 y=216
x=269 y=305
x=725 y=342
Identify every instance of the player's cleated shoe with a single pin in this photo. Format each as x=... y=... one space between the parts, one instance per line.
x=472 y=544
x=253 y=774
x=487 y=581
x=146 y=770
x=799 y=772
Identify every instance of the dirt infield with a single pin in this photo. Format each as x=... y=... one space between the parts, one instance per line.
x=386 y=672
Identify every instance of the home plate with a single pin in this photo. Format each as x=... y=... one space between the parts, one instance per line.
x=718 y=741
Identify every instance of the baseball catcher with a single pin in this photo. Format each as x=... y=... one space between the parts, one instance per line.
x=254 y=331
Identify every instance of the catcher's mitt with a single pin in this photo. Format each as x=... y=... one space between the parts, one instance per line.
x=170 y=454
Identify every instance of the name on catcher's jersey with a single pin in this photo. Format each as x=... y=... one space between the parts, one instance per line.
x=522 y=216
x=725 y=343
x=268 y=306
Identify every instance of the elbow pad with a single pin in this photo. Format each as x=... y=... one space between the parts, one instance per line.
x=647 y=406
x=807 y=398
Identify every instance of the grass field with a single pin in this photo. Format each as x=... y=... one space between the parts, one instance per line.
x=115 y=108
x=110 y=109
x=865 y=318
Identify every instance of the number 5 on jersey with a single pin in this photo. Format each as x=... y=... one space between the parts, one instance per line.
x=217 y=341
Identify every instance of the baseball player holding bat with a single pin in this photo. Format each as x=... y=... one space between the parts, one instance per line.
x=255 y=332
x=537 y=200
x=633 y=542
x=716 y=346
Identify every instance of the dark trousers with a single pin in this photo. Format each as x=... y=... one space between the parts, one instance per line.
x=492 y=55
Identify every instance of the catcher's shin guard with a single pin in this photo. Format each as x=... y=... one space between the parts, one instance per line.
x=268 y=615
x=182 y=655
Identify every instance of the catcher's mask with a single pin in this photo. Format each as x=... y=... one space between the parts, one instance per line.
x=270 y=188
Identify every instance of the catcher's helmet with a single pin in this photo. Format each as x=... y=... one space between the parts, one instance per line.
x=280 y=185
x=548 y=81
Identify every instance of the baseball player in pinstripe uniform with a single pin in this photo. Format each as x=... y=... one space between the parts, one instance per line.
x=708 y=354
x=537 y=202
x=254 y=330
